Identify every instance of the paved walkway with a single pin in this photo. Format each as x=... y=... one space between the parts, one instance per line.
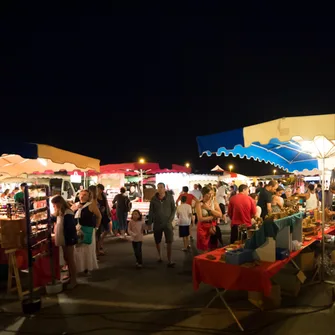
x=120 y=299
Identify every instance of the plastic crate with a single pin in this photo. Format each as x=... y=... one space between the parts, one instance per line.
x=239 y=256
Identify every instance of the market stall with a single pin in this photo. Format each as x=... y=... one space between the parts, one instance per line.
x=297 y=144
x=29 y=241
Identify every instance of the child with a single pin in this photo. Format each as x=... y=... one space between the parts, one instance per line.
x=115 y=223
x=184 y=214
x=136 y=227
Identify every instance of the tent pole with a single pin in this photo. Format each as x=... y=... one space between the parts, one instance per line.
x=323 y=221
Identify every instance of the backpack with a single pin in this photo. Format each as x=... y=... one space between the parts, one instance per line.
x=128 y=204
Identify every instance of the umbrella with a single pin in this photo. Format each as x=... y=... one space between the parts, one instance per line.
x=19 y=158
x=294 y=144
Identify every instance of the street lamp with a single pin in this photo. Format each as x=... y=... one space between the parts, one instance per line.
x=274 y=171
x=141 y=161
x=230 y=167
x=187 y=165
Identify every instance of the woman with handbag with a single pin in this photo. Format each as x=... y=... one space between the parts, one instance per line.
x=88 y=218
x=208 y=211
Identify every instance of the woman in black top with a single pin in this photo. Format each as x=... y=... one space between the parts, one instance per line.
x=66 y=235
x=122 y=209
x=106 y=218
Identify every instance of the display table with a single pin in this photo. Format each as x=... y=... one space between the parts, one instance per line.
x=41 y=269
x=238 y=277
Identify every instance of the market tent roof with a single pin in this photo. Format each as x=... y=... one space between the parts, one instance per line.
x=128 y=167
x=218 y=168
x=133 y=168
x=19 y=158
x=292 y=144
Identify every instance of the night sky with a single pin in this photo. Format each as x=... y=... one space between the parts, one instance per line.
x=126 y=81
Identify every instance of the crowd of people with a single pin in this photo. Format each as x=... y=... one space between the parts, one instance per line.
x=81 y=228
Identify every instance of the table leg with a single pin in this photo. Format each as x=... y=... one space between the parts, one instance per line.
x=220 y=295
x=295 y=264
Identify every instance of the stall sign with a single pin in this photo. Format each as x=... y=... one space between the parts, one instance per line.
x=75 y=178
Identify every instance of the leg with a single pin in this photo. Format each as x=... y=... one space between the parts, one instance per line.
x=158 y=234
x=233 y=234
x=135 y=251
x=140 y=260
x=120 y=218
x=69 y=251
x=169 y=251
x=185 y=242
x=168 y=234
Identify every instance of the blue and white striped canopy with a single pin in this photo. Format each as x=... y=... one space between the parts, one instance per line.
x=294 y=144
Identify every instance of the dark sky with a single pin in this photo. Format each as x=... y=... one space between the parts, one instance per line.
x=126 y=81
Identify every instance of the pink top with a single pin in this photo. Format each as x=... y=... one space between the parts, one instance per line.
x=135 y=230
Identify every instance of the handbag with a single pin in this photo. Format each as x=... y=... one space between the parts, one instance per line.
x=84 y=234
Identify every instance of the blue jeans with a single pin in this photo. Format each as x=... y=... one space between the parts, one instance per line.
x=122 y=219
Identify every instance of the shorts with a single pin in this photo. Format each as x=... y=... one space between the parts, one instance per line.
x=184 y=231
x=104 y=226
x=168 y=234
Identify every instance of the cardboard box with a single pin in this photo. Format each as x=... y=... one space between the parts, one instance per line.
x=290 y=280
x=306 y=260
x=266 y=303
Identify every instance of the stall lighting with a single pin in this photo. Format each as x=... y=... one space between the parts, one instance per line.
x=320 y=147
x=187 y=165
x=141 y=160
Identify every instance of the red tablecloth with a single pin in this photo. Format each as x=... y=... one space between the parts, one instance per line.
x=236 y=277
x=41 y=267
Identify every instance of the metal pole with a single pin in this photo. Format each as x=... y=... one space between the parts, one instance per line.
x=323 y=221
x=142 y=195
x=30 y=254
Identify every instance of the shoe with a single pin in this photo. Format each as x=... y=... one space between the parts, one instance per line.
x=171 y=265
x=184 y=249
x=159 y=260
x=188 y=247
x=139 y=266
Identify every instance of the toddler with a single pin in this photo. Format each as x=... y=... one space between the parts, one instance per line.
x=136 y=227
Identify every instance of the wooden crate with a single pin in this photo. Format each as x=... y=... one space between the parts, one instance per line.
x=12 y=233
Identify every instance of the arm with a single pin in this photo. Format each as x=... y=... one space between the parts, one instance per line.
x=198 y=210
x=151 y=213
x=177 y=202
x=269 y=207
x=253 y=209
x=173 y=210
x=190 y=213
x=70 y=234
x=115 y=199
x=95 y=210
x=130 y=229
x=217 y=211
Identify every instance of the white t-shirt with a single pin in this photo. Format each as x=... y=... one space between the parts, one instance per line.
x=184 y=214
x=220 y=195
x=196 y=193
